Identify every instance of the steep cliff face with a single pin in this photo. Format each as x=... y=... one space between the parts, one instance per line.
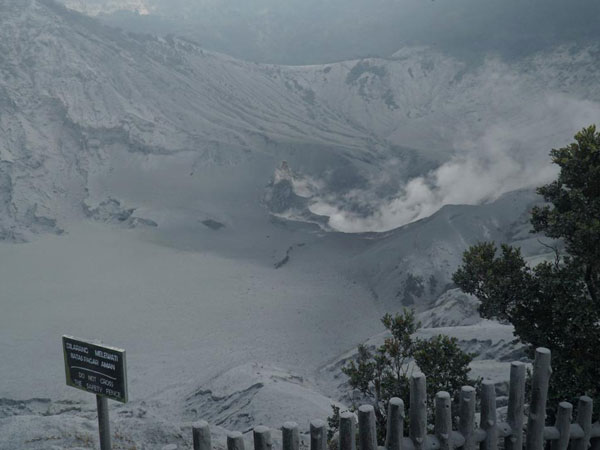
x=74 y=93
x=77 y=97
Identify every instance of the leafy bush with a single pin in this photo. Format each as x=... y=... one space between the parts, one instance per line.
x=384 y=373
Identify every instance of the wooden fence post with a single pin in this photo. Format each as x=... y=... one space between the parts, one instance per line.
x=367 y=434
x=488 y=416
x=539 y=396
x=262 y=438
x=347 y=431
x=516 y=406
x=443 y=420
x=395 y=424
x=201 y=435
x=563 y=425
x=418 y=411
x=290 y=436
x=235 y=441
x=318 y=435
x=584 y=420
x=466 y=425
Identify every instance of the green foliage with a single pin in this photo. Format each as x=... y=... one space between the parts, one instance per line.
x=333 y=422
x=488 y=277
x=444 y=363
x=554 y=304
x=384 y=373
x=574 y=213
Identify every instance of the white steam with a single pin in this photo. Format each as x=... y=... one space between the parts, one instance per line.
x=501 y=158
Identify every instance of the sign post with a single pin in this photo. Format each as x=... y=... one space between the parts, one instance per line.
x=100 y=370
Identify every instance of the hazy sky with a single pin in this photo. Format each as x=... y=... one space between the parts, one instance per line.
x=316 y=31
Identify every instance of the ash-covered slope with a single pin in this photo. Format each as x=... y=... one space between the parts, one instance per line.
x=413 y=265
x=489 y=126
x=75 y=92
x=422 y=99
x=78 y=98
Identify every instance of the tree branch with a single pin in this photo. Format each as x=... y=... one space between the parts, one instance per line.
x=589 y=282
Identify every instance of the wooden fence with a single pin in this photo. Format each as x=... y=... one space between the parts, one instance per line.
x=580 y=435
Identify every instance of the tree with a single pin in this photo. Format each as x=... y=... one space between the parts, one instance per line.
x=554 y=304
x=444 y=363
x=384 y=373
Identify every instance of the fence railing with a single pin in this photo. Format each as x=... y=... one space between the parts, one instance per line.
x=579 y=435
